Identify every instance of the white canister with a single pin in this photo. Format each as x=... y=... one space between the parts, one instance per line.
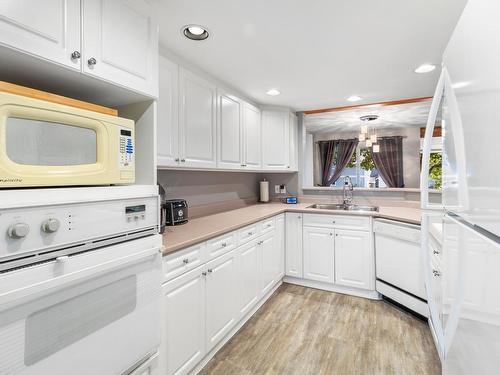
x=264 y=191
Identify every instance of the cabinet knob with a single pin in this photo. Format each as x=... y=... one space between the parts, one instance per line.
x=331 y=234
x=333 y=221
x=185 y=261
x=299 y=217
x=76 y=55
x=223 y=244
x=177 y=160
x=92 y=61
x=250 y=233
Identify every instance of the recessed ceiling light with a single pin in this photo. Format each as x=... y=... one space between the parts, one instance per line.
x=425 y=68
x=273 y=92
x=354 y=98
x=195 y=32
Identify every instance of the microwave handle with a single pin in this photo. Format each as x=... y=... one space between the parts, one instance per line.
x=18 y=296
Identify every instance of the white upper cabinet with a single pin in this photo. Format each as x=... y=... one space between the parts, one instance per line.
x=319 y=256
x=120 y=43
x=276 y=140
x=197 y=121
x=229 y=131
x=252 y=157
x=293 y=244
x=354 y=260
x=294 y=143
x=49 y=29
x=168 y=114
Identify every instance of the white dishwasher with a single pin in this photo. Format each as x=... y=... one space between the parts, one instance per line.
x=399 y=267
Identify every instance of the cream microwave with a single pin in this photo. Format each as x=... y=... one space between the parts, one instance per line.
x=51 y=144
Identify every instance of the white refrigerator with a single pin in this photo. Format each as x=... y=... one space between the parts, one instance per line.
x=461 y=236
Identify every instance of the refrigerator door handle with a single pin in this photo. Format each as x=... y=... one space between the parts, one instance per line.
x=426 y=152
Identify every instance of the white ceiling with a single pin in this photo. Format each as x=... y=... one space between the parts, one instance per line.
x=394 y=116
x=316 y=52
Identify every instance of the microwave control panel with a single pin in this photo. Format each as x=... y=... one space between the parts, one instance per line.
x=126 y=148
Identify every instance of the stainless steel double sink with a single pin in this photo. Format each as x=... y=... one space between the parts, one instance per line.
x=344 y=207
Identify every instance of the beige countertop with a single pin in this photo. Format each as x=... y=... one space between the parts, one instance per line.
x=203 y=228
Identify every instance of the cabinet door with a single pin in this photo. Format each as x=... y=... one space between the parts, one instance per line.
x=280 y=245
x=293 y=241
x=122 y=37
x=354 y=261
x=294 y=139
x=248 y=265
x=252 y=140
x=319 y=245
x=220 y=298
x=197 y=130
x=270 y=261
x=49 y=29
x=229 y=132
x=184 y=322
x=168 y=114
x=275 y=140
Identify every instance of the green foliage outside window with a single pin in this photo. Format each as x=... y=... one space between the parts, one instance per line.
x=436 y=169
x=366 y=160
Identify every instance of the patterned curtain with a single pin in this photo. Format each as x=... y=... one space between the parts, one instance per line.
x=389 y=161
x=335 y=155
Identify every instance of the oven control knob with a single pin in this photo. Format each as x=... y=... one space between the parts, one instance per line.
x=50 y=225
x=18 y=230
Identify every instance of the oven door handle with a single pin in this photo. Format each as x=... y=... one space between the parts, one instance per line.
x=18 y=296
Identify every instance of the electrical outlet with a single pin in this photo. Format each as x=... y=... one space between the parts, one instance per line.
x=282 y=189
x=276 y=189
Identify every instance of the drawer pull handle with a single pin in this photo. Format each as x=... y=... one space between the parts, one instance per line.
x=260 y=242
x=185 y=261
x=268 y=225
x=250 y=233
x=436 y=273
x=435 y=252
x=223 y=244
x=209 y=270
x=204 y=273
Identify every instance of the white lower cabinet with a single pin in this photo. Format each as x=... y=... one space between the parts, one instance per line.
x=280 y=244
x=318 y=247
x=248 y=266
x=293 y=244
x=270 y=261
x=184 y=322
x=354 y=260
x=220 y=298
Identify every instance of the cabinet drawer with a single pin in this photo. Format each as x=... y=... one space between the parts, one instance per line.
x=221 y=245
x=268 y=225
x=337 y=221
x=182 y=261
x=248 y=233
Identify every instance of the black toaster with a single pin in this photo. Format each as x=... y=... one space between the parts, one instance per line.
x=176 y=212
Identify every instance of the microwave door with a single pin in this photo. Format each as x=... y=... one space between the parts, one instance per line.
x=61 y=324
x=44 y=143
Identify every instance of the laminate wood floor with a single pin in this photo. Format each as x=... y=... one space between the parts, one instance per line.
x=308 y=331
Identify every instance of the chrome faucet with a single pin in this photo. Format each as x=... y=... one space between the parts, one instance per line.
x=347 y=190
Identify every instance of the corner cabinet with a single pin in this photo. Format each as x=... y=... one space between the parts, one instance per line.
x=197 y=126
x=276 y=140
x=120 y=43
x=113 y=40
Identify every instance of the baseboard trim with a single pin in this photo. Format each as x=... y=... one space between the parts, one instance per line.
x=370 y=294
x=231 y=333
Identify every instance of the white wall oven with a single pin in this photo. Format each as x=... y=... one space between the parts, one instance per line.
x=88 y=304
